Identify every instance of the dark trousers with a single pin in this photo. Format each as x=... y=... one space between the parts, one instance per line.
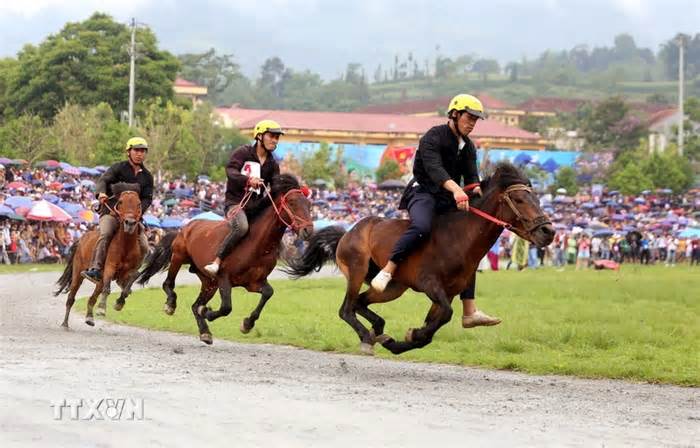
x=422 y=208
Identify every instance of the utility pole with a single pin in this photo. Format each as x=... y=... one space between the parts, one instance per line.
x=132 y=54
x=681 y=45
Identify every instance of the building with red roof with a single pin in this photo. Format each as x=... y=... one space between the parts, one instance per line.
x=189 y=89
x=373 y=128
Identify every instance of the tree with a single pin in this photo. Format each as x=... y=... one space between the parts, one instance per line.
x=166 y=128
x=668 y=170
x=630 y=179
x=27 y=137
x=566 y=179
x=484 y=67
x=607 y=125
x=388 y=169
x=217 y=72
x=320 y=164
x=86 y=63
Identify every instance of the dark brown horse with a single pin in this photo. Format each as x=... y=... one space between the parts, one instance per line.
x=124 y=255
x=441 y=268
x=248 y=265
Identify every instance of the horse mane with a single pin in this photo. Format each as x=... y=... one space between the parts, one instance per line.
x=281 y=184
x=121 y=187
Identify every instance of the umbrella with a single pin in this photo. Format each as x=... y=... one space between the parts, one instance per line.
x=617 y=217
x=664 y=191
x=603 y=233
x=52 y=198
x=186 y=203
x=46 y=211
x=613 y=192
x=18 y=201
x=55 y=186
x=321 y=202
x=72 y=171
x=22 y=211
x=550 y=165
x=171 y=223
x=561 y=191
x=16 y=185
x=151 y=221
x=171 y=201
x=88 y=216
x=183 y=193
x=323 y=223
x=18 y=162
x=48 y=164
x=87 y=183
x=391 y=184
x=598 y=225
x=71 y=208
x=690 y=232
x=65 y=165
x=339 y=208
x=208 y=216
x=639 y=200
x=6 y=211
x=522 y=159
x=588 y=205
x=319 y=183
x=5 y=161
x=68 y=186
x=628 y=228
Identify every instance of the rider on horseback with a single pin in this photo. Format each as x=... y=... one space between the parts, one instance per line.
x=249 y=167
x=129 y=171
x=445 y=156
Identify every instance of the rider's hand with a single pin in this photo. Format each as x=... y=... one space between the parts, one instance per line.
x=254 y=182
x=103 y=198
x=462 y=200
x=477 y=190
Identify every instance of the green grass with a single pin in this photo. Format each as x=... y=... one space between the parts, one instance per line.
x=30 y=267
x=641 y=324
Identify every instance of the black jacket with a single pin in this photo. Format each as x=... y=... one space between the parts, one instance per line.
x=439 y=159
x=122 y=172
x=235 y=186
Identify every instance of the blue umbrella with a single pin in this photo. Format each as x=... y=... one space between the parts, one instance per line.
x=101 y=168
x=339 y=208
x=183 y=192
x=87 y=183
x=18 y=201
x=171 y=223
x=68 y=186
x=639 y=200
x=690 y=232
x=208 y=216
x=522 y=159
x=52 y=198
x=603 y=233
x=71 y=208
x=550 y=165
x=65 y=165
x=6 y=211
x=588 y=205
x=151 y=221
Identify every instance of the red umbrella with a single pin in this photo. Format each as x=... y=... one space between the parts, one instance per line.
x=55 y=186
x=46 y=211
x=22 y=211
x=16 y=185
x=186 y=203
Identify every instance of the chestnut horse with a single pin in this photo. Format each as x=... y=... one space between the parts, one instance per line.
x=249 y=263
x=441 y=267
x=124 y=255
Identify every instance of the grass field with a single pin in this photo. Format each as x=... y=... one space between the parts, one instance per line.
x=641 y=324
x=30 y=267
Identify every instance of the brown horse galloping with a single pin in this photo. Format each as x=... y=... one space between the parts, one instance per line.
x=441 y=268
x=248 y=265
x=124 y=255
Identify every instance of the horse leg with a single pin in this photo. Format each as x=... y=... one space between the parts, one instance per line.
x=126 y=289
x=75 y=283
x=176 y=262
x=439 y=314
x=89 y=319
x=224 y=309
x=205 y=294
x=249 y=322
x=370 y=296
x=102 y=306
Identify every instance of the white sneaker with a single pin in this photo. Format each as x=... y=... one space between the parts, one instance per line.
x=380 y=281
x=212 y=268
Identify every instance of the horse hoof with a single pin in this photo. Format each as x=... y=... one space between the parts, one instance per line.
x=245 y=328
x=382 y=338
x=366 y=349
x=206 y=338
x=169 y=310
x=101 y=312
x=90 y=321
x=65 y=326
x=118 y=306
x=409 y=335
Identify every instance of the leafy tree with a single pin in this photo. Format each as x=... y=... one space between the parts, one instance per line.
x=217 y=72
x=87 y=63
x=388 y=169
x=566 y=179
x=607 y=125
x=668 y=170
x=27 y=137
x=320 y=164
x=630 y=179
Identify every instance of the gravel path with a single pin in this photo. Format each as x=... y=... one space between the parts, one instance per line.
x=233 y=394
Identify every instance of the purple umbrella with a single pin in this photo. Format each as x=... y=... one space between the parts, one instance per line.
x=18 y=201
x=617 y=217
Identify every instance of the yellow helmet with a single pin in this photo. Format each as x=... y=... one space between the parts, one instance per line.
x=267 y=126
x=136 y=142
x=467 y=103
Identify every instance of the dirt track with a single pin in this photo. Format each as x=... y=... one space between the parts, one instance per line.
x=261 y=395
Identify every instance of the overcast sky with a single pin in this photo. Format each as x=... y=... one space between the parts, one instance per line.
x=324 y=35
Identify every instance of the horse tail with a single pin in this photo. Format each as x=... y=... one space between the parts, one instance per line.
x=159 y=259
x=320 y=250
x=67 y=276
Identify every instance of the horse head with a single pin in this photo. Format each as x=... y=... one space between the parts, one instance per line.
x=128 y=206
x=517 y=204
x=292 y=204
